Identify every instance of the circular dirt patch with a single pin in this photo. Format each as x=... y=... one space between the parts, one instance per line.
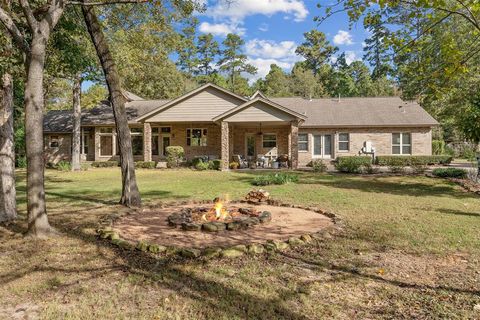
x=152 y=226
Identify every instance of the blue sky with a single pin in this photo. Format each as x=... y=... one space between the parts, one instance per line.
x=272 y=29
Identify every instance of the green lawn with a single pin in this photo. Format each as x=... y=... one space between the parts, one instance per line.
x=411 y=249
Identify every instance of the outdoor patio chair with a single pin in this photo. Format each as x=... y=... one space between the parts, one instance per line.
x=262 y=160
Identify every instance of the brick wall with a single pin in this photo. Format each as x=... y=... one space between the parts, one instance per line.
x=381 y=139
x=62 y=152
x=239 y=133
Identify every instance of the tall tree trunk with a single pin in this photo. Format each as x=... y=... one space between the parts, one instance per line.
x=8 y=209
x=77 y=118
x=38 y=225
x=130 y=193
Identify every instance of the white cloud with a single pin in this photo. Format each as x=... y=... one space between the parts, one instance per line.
x=343 y=37
x=221 y=29
x=351 y=56
x=263 y=66
x=238 y=10
x=271 y=49
x=263 y=27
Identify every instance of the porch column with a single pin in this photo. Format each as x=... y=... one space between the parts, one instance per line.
x=294 y=144
x=225 y=145
x=147 y=142
x=97 y=144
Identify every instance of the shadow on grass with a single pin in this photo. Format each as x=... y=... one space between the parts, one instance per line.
x=354 y=272
x=394 y=185
x=459 y=212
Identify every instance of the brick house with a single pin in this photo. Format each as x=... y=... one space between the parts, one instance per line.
x=212 y=121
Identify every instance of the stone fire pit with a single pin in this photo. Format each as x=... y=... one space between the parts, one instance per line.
x=218 y=218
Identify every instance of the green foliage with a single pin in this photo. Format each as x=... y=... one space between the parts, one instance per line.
x=64 y=166
x=438 y=147
x=450 y=173
x=233 y=61
x=275 y=178
x=175 y=155
x=93 y=96
x=200 y=165
x=145 y=164
x=215 y=164
x=352 y=164
x=207 y=50
x=319 y=165
x=413 y=160
x=316 y=50
x=21 y=162
x=105 y=164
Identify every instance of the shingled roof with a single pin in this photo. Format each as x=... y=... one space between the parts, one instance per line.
x=359 y=112
x=327 y=112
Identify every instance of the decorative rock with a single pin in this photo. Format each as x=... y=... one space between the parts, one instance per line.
x=231 y=253
x=240 y=247
x=212 y=252
x=255 y=248
x=191 y=226
x=279 y=245
x=265 y=216
x=214 y=226
x=306 y=238
x=190 y=253
x=235 y=225
x=114 y=236
x=161 y=165
x=293 y=241
x=126 y=245
x=155 y=248
x=142 y=246
x=254 y=221
x=270 y=246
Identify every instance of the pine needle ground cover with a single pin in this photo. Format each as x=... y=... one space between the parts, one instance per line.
x=411 y=249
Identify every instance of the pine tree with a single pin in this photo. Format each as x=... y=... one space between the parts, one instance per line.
x=207 y=50
x=233 y=61
x=375 y=50
x=316 y=50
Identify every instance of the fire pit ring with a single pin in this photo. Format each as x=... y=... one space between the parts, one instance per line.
x=218 y=218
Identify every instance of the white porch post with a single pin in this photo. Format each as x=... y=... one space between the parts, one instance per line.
x=225 y=145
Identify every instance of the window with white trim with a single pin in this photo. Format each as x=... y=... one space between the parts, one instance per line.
x=401 y=143
x=269 y=140
x=343 y=142
x=197 y=137
x=303 y=142
x=54 y=142
x=137 y=141
x=106 y=141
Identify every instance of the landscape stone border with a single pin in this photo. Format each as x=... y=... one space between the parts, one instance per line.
x=106 y=232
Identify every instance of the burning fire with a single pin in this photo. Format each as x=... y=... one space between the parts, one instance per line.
x=218 y=212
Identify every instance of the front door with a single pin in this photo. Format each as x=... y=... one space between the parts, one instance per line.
x=250 y=146
x=165 y=143
x=322 y=146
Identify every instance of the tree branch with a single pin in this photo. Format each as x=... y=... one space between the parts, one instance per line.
x=104 y=3
x=12 y=28
x=27 y=11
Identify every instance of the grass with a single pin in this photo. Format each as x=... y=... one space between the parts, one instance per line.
x=411 y=249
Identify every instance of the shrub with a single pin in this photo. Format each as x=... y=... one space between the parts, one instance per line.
x=145 y=164
x=274 y=178
x=202 y=165
x=412 y=160
x=21 y=161
x=438 y=147
x=105 y=164
x=369 y=169
x=175 y=154
x=215 y=164
x=450 y=173
x=319 y=166
x=352 y=164
x=234 y=165
x=64 y=166
x=195 y=161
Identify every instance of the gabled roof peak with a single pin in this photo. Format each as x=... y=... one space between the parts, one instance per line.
x=257 y=94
